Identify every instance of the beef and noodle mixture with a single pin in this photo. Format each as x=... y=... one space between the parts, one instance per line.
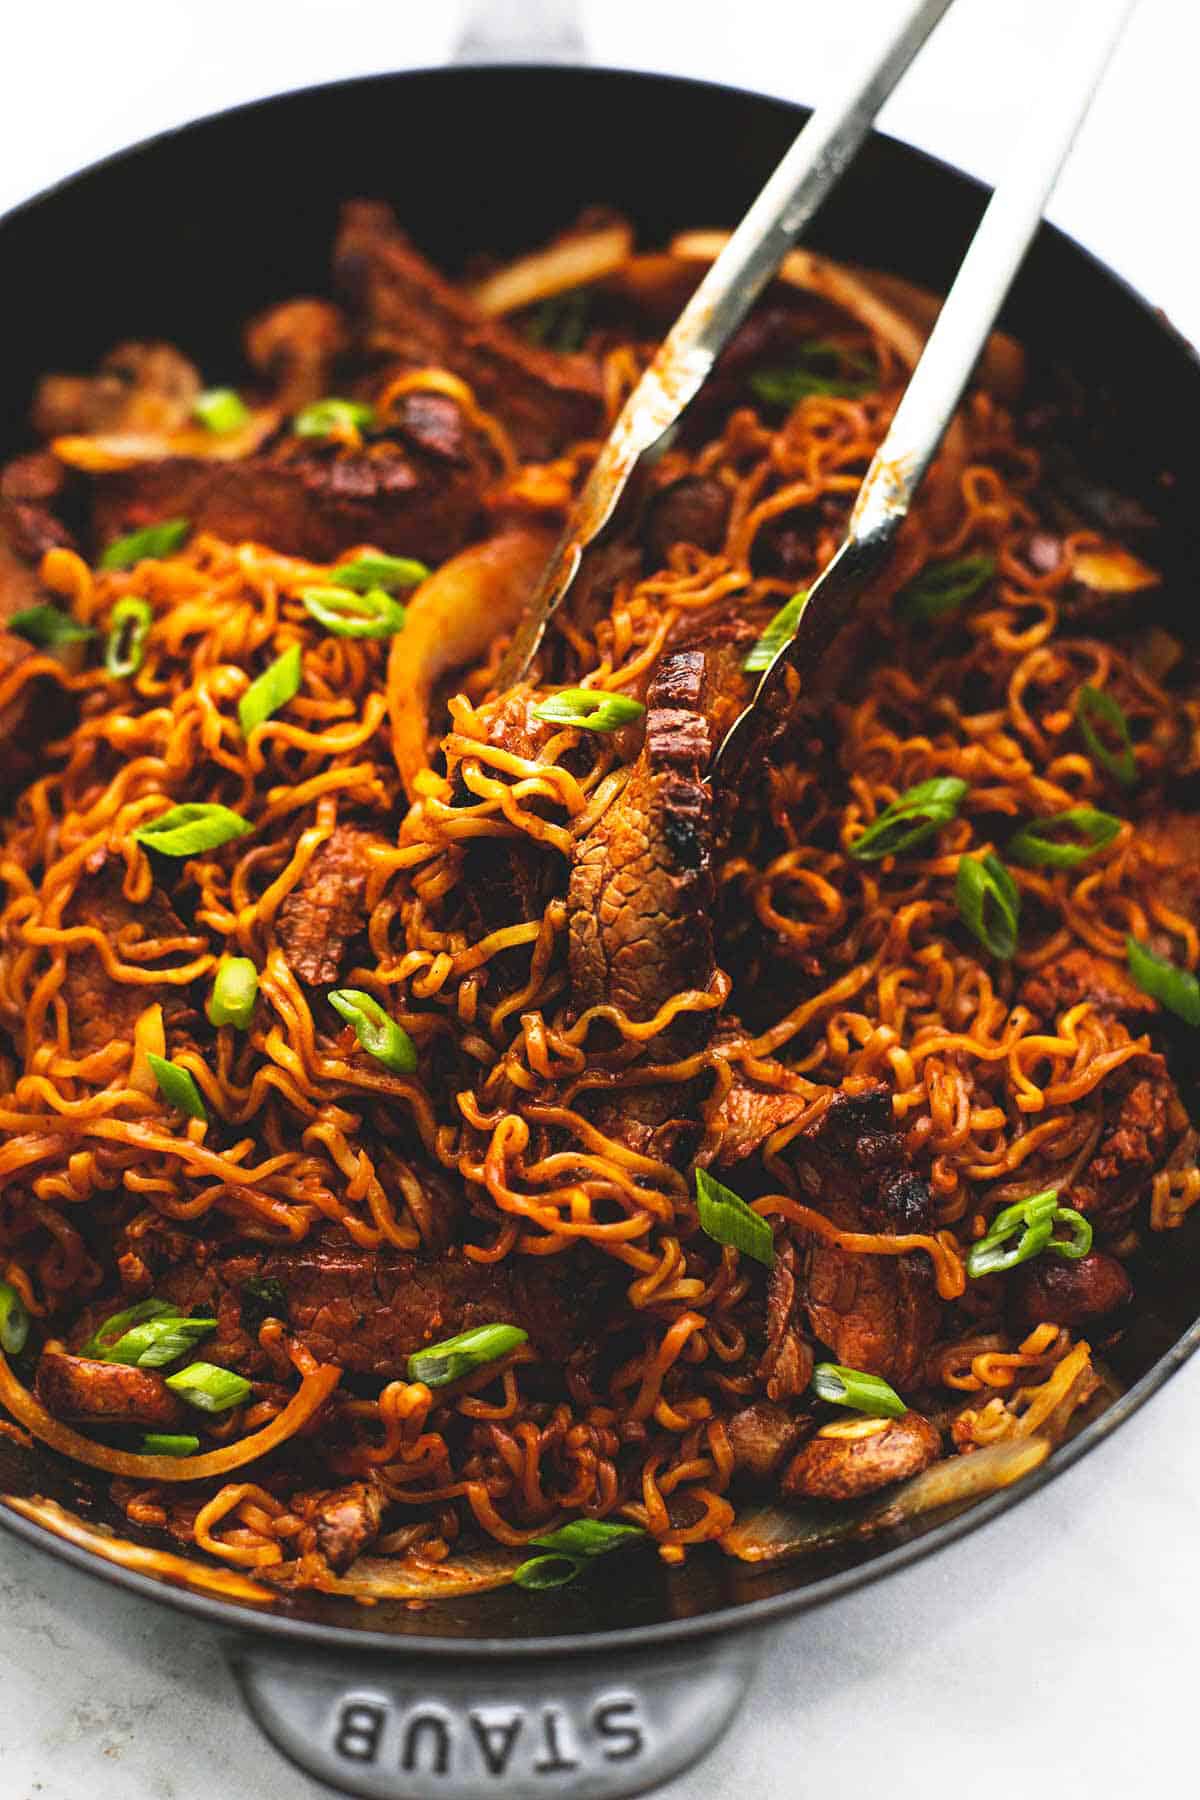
x=443 y=1135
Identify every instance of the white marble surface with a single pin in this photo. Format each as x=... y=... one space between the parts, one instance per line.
x=1052 y=1652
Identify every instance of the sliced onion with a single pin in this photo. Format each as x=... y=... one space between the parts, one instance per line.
x=397 y=1578
x=1112 y=570
x=1001 y=366
x=314 y=1390
x=452 y=620
x=165 y=1564
x=569 y=262
x=773 y=1533
x=104 y=452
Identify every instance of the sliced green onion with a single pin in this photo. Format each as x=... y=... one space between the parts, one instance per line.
x=278 y=683
x=725 y=1217
x=943 y=588
x=234 y=992
x=819 y=368
x=158 y=1341
x=114 y=1327
x=1031 y=1224
x=560 y=322
x=262 y=1298
x=128 y=632
x=1177 y=988
x=853 y=1387
x=14 y=1320
x=910 y=819
x=588 y=1537
x=1093 y=708
x=780 y=631
x=169 y=1443
x=376 y=1030
x=209 y=1388
x=221 y=410
x=591 y=709
x=439 y=1364
x=550 y=1571
x=375 y=571
x=47 y=627
x=153 y=540
x=989 y=903
x=347 y=614
x=177 y=1086
x=324 y=417
x=190 y=829
x=1041 y=845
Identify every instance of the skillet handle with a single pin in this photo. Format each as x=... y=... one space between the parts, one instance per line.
x=506 y=31
x=571 y=1728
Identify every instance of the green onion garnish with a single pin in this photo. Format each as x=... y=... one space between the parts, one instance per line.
x=347 y=614
x=853 y=1387
x=1041 y=845
x=154 y=540
x=14 y=1320
x=169 y=1443
x=1031 y=1223
x=989 y=903
x=278 y=683
x=376 y=1030
x=440 y=1364
x=725 y=1217
x=560 y=322
x=819 y=368
x=47 y=627
x=192 y=828
x=221 y=409
x=910 y=819
x=1094 y=708
x=590 y=709
x=177 y=1086
x=780 y=631
x=942 y=588
x=548 y=1571
x=1177 y=988
x=208 y=1387
x=234 y=992
x=128 y=631
x=114 y=1327
x=390 y=573
x=324 y=417
x=570 y=1549
x=157 y=1341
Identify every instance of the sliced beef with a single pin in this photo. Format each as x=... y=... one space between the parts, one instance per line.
x=408 y=314
x=786 y=1365
x=1081 y=975
x=326 y=908
x=1143 y=1116
x=102 y=1009
x=1173 y=840
x=761 y=1436
x=693 y=510
x=860 y=1457
x=877 y=1313
x=305 y=498
x=747 y=1117
x=347 y=1520
x=641 y=889
x=1055 y=1290
x=296 y=346
x=138 y=388
x=76 y=1387
x=369 y=1310
x=28 y=528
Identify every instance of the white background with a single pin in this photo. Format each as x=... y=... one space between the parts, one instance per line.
x=1052 y=1653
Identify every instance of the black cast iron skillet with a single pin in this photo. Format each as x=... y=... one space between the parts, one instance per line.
x=606 y=1688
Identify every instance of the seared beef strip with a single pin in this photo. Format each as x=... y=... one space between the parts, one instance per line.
x=139 y=388
x=407 y=313
x=1143 y=1116
x=105 y=1393
x=346 y=1520
x=761 y=1435
x=102 y=1009
x=296 y=346
x=1081 y=975
x=876 y=1313
x=786 y=1365
x=326 y=907
x=1053 y=1290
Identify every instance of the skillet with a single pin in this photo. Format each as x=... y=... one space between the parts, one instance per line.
x=602 y=1689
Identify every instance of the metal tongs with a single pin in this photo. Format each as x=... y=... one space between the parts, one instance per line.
x=805 y=177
